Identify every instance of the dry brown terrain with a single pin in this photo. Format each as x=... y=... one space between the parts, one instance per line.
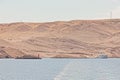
x=76 y=39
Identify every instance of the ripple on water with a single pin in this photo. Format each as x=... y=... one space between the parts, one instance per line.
x=91 y=69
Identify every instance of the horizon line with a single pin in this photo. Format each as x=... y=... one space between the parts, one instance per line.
x=59 y=20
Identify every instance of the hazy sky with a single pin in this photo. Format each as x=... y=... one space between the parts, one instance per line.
x=57 y=10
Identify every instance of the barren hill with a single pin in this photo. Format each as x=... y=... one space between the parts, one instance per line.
x=77 y=39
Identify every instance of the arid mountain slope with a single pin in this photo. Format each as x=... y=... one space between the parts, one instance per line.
x=77 y=38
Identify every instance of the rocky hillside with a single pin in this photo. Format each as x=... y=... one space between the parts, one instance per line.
x=76 y=39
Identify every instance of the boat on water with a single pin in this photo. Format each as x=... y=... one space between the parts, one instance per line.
x=29 y=57
x=102 y=56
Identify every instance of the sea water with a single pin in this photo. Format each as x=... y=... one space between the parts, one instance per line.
x=60 y=69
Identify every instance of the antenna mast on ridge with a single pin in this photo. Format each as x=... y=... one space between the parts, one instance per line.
x=110 y=15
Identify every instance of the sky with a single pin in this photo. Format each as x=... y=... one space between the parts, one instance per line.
x=57 y=10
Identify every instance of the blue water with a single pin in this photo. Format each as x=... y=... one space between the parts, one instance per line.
x=60 y=69
x=44 y=69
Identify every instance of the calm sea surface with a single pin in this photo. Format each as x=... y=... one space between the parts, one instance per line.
x=60 y=69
